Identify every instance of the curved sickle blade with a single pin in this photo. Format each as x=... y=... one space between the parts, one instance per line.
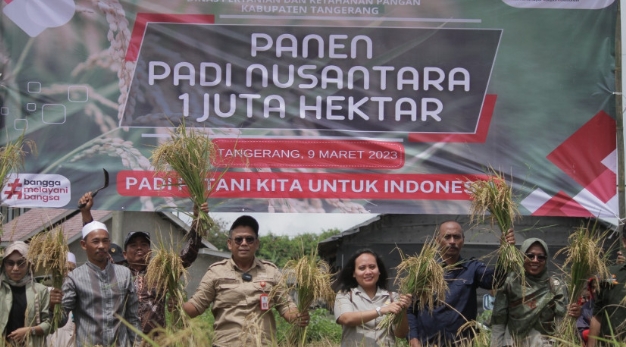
x=106 y=184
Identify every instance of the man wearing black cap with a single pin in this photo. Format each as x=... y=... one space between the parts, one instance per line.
x=238 y=292
x=117 y=255
x=136 y=252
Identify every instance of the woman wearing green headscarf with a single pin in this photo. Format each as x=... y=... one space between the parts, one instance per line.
x=530 y=314
x=24 y=316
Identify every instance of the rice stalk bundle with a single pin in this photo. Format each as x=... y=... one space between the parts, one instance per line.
x=585 y=257
x=190 y=154
x=12 y=156
x=481 y=335
x=48 y=252
x=167 y=276
x=12 y=159
x=494 y=196
x=253 y=334
x=311 y=279
x=422 y=276
x=198 y=332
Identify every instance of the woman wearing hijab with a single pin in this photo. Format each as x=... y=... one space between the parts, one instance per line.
x=24 y=315
x=363 y=300
x=530 y=314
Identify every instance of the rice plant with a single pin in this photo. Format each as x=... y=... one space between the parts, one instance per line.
x=481 y=335
x=422 y=276
x=196 y=333
x=12 y=159
x=494 y=196
x=585 y=258
x=190 y=154
x=311 y=279
x=167 y=276
x=48 y=252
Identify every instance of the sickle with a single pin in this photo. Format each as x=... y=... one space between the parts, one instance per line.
x=106 y=184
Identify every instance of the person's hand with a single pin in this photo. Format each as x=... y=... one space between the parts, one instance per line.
x=86 y=199
x=303 y=318
x=574 y=310
x=204 y=207
x=620 y=258
x=510 y=237
x=19 y=335
x=415 y=343
x=56 y=295
x=394 y=307
x=171 y=303
x=405 y=300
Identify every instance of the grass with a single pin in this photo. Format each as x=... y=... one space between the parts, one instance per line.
x=322 y=330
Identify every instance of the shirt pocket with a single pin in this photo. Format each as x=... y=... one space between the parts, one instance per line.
x=230 y=294
x=458 y=289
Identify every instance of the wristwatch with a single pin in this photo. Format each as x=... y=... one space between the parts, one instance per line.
x=378 y=311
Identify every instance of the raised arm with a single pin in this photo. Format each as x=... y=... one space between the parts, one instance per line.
x=85 y=212
x=189 y=252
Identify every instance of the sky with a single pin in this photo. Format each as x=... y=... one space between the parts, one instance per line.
x=293 y=224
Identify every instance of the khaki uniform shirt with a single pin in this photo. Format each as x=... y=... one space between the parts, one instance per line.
x=236 y=303
x=366 y=334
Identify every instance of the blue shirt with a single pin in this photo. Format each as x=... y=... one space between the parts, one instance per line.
x=442 y=324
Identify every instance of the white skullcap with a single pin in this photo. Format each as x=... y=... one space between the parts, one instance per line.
x=71 y=257
x=93 y=226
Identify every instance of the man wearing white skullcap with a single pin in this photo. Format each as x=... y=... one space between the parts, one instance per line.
x=98 y=291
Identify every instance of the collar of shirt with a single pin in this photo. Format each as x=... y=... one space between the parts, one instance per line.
x=96 y=267
x=358 y=290
x=255 y=263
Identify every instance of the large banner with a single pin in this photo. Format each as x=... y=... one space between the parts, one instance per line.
x=382 y=106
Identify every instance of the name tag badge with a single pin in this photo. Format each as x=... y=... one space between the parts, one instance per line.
x=265 y=302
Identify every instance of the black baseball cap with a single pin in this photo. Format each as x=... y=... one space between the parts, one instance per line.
x=115 y=251
x=133 y=234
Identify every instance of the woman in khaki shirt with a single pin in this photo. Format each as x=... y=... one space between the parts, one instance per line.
x=363 y=299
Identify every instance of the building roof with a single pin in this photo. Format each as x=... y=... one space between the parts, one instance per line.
x=37 y=220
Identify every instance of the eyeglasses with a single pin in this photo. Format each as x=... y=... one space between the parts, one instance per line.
x=11 y=263
x=539 y=257
x=239 y=239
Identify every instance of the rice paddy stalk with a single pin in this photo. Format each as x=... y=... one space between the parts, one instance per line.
x=585 y=257
x=12 y=159
x=167 y=275
x=310 y=277
x=494 y=196
x=198 y=332
x=187 y=159
x=422 y=276
x=481 y=335
x=48 y=252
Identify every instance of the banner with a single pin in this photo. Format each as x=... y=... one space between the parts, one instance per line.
x=381 y=106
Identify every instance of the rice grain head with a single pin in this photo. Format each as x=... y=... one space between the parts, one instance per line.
x=187 y=159
x=168 y=277
x=492 y=199
x=311 y=279
x=48 y=252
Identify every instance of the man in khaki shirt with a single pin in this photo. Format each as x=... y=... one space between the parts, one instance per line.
x=239 y=290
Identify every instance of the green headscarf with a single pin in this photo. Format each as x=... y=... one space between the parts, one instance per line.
x=535 y=307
